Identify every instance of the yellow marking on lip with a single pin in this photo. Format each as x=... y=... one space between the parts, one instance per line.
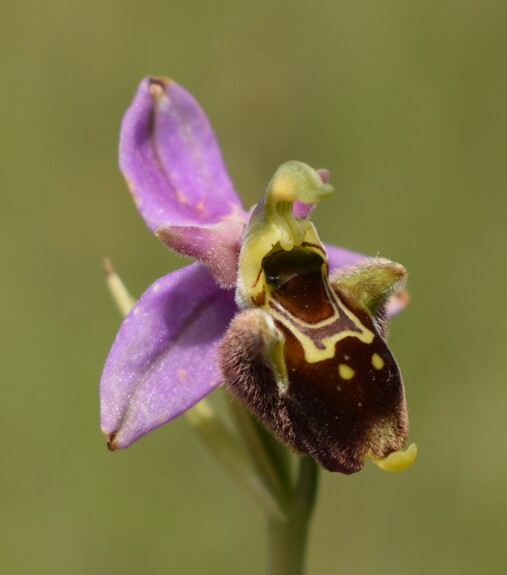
x=313 y=354
x=200 y=206
x=345 y=371
x=377 y=361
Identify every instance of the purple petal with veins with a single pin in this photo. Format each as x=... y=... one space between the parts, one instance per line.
x=163 y=360
x=171 y=159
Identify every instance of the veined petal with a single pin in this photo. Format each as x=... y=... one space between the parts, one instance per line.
x=171 y=159
x=163 y=360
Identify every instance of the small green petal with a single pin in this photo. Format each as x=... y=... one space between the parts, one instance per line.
x=370 y=283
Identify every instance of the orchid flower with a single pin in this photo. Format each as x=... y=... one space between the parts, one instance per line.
x=293 y=328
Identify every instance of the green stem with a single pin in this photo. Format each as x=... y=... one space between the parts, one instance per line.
x=288 y=537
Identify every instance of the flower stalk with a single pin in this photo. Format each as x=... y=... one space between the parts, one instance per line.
x=288 y=537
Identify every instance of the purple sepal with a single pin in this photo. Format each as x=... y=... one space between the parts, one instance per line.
x=163 y=360
x=397 y=302
x=171 y=159
x=341 y=257
x=217 y=246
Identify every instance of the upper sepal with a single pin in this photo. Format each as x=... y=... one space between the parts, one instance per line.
x=163 y=360
x=171 y=159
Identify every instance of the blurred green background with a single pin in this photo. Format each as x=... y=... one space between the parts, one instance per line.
x=405 y=103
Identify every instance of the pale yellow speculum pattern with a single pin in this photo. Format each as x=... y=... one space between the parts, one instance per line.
x=377 y=361
x=314 y=354
x=345 y=371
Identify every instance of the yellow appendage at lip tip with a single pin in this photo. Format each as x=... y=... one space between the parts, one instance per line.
x=397 y=461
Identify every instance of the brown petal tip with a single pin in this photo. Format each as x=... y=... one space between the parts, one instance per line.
x=112 y=444
x=158 y=84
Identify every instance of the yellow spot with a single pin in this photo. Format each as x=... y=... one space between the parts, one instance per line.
x=397 y=461
x=377 y=361
x=182 y=374
x=345 y=371
x=200 y=206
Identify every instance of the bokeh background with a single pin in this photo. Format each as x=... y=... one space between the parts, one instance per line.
x=405 y=103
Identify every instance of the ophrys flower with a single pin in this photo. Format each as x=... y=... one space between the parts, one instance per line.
x=305 y=350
